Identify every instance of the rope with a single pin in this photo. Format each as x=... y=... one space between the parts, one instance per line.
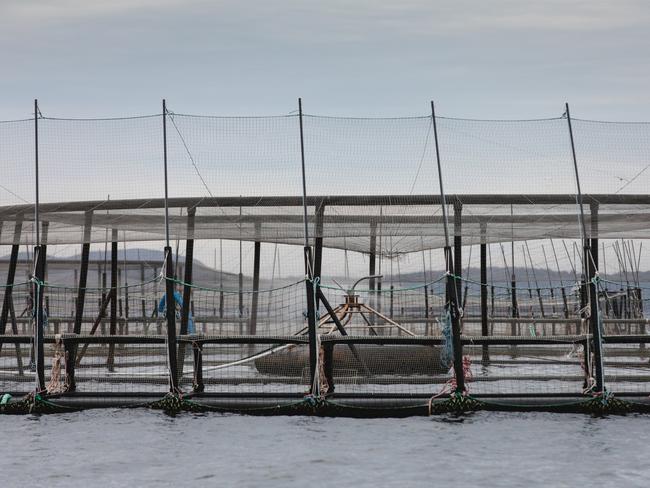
x=56 y=385
x=388 y=290
x=451 y=385
x=447 y=356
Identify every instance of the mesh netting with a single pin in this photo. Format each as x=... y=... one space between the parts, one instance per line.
x=367 y=179
x=528 y=318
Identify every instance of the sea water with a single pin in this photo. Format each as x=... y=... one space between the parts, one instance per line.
x=145 y=448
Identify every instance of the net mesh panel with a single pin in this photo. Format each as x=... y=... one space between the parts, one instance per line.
x=527 y=369
x=233 y=156
x=352 y=158
x=615 y=158
x=416 y=309
x=280 y=311
x=388 y=369
x=626 y=363
x=16 y=374
x=121 y=368
x=372 y=187
x=249 y=367
x=246 y=368
x=17 y=160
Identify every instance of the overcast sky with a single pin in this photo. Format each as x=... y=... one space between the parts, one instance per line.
x=497 y=59
x=484 y=59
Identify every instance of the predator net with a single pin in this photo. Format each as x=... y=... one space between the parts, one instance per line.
x=375 y=224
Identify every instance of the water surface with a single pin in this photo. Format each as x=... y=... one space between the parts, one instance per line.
x=147 y=448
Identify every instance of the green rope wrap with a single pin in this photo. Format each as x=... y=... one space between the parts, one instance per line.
x=33 y=403
x=171 y=404
x=457 y=403
x=605 y=404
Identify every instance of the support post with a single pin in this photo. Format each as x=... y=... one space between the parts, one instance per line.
x=81 y=300
x=170 y=317
x=11 y=275
x=372 y=267
x=452 y=292
x=169 y=274
x=318 y=245
x=252 y=329
x=143 y=305
x=590 y=271
x=198 y=386
x=37 y=293
x=458 y=247
x=8 y=302
x=594 y=234
x=309 y=269
x=241 y=286
x=514 y=305
x=484 y=292
x=591 y=258
x=113 y=291
x=187 y=278
x=453 y=284
x=311 y=316
x=187 y=290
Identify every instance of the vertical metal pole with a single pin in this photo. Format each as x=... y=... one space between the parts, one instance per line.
x=220 y=279
x=513 y=280
x=590 y=271
x=39 y=271
x=304 y=176
x=241 y=275
x=36 y=201
x=452 y=285
x=113 y=291
x=125 y=265
x=164 y=121
x=169 y=276
x=309 y=266
x=372 y=267
x=426 y=291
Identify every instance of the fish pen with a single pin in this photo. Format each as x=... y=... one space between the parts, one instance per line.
x=324 y=265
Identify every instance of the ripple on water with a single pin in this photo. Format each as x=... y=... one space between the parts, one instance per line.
x=146 y=448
